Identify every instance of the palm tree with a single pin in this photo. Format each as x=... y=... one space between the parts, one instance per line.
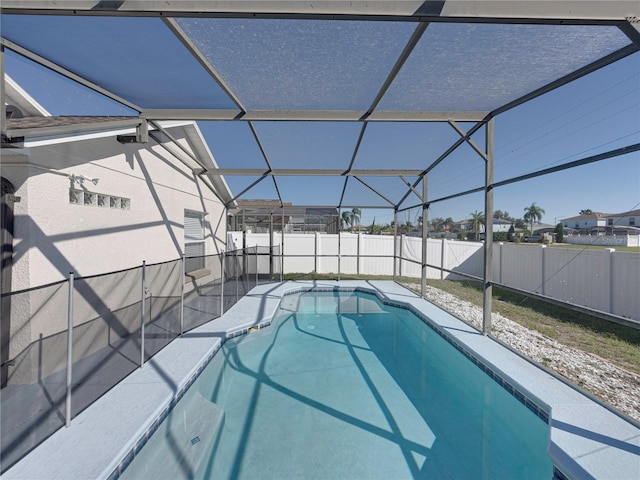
x=532 y=213
x=586 y=211
x=449 y=224
x=355 y=217
x=478 y=218
x=346 y=219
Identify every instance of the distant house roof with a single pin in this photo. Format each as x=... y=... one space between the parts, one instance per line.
x=631 y=213
x=589 y=216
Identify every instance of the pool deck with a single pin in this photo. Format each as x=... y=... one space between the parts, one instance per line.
x=586 y=441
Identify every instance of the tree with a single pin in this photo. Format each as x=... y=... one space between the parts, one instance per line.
x=345 y=220
x=437 y=223
x=449 y=224
x=478 y=218
x=501 y=215
x=533 y=213
x=559 y=231
x=586 y=211
x=355 y=217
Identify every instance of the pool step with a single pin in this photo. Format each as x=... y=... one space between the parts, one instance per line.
x=182 y=444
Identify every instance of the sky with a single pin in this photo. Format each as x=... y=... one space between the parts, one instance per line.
x=596 y=113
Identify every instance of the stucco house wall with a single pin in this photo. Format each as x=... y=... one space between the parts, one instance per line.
x=53 y=236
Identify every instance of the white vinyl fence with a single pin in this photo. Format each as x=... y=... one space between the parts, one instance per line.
x=605 y=280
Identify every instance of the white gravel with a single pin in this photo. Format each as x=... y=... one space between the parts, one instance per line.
x=612 y=384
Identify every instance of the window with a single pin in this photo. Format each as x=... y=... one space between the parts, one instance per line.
x=632 y=221
x=193 y=240
x=92 y=199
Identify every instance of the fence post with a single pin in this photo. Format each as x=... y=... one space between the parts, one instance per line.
x=69 y=352
x=222 y=266
x=144 y=288
x=358 y=254
x=316 y=267
x=612 y=285
x=401 y=255
x=443 y=251
x=182 y=295
x=500 y=261
x=235 y=272
x=544 y=281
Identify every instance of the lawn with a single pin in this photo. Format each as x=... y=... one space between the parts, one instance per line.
x=616 y=343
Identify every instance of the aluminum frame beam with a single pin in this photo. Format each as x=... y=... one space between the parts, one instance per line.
x=311 y=172
x=191 y=47
x=66 y=73
x=314 y=115
x=266 y=160
x=487 y=278
x=567 y=11
x=375 y=191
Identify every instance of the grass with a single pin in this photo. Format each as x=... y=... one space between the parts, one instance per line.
x=615 y=343
x=584 y=247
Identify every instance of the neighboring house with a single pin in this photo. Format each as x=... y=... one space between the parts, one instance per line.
x=466 y=225
x=591 y=220
x=263 y=216
x=624 y=219
x=500 y=225
x=463 y=226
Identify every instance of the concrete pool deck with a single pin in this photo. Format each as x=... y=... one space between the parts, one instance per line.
x=586 y=439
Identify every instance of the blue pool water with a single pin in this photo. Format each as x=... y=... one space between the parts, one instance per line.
x=343 y=386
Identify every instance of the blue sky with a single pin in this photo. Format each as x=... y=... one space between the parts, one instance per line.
x=596 y=113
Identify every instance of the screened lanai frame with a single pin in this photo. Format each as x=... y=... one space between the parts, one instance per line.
x=620 y=19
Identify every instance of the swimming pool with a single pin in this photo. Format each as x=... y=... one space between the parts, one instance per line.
x=344 y=386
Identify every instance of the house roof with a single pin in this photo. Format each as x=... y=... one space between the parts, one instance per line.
x=64 y=125
x=41 y=130
x=630 y=213
x=589 y=216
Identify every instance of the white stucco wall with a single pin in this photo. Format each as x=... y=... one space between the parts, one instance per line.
x=53 y=237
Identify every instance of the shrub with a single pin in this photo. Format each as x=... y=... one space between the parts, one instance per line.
x=500 y=237
x=517 y=239
x=559 y=231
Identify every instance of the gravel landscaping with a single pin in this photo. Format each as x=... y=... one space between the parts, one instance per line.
x=614 y=385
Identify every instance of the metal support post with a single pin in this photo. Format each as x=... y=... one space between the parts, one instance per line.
x=425 y=240
x=235 y=273
x=69 y=352
x=144 y=291
x=222 y=266
x=340 y=214
x=488 y=230
x=271 y=246
x=395 y=242
x=282 y=248
x=182 y=295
